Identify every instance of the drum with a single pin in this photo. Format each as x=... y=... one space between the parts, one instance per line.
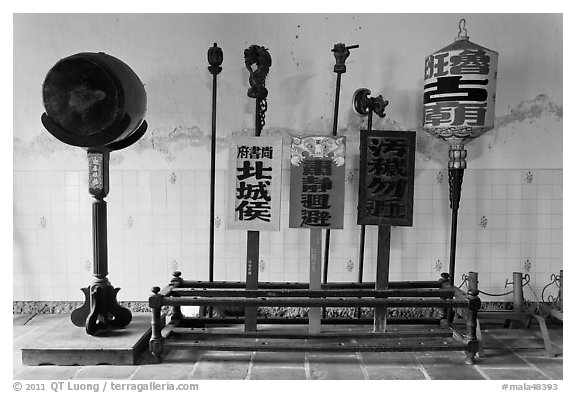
x=92 y=100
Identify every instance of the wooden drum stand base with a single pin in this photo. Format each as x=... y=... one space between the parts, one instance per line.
x=101 y=310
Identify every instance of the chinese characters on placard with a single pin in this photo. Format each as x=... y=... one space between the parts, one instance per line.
x=386 y=177
x=459 y=87
x=95 y=171
x=317 y=182
x=256 y=179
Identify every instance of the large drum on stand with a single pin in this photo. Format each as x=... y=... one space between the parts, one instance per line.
x=95 y=101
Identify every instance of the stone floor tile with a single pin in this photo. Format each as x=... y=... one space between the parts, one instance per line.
x=394 y=373
x=551 y=367
x=335 y=366
x=536 y=352
x=388 y=358
x=181 y=355
x=221 y=369
x=260 y=372
x=47 y=372
x=289 y=359
x=513 y=333
x=105 y=372
x=524 y=342
x=508 y=373
x=491 y=341
x=456 y=359
x=23 y=335
x=500 y=361
x=328 y=357
x=163 y=371
x=328 y=372
x=493 y=357
x=49 y=320
x=464 y=372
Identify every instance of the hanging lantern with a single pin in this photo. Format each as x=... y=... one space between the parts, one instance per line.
x=460 y=93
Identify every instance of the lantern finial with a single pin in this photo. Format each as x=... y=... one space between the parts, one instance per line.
x=462 y=27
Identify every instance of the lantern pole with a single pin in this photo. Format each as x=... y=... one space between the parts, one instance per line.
x=341 y=53
x=459 y=99
x=259 y=56
x=456 y=166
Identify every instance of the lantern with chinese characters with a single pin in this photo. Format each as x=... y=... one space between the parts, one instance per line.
x=460 y=93
x=459 y=99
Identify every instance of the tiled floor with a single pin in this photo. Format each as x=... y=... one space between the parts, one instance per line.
x=510 y=354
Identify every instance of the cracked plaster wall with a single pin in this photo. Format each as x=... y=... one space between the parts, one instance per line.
x=168 y=52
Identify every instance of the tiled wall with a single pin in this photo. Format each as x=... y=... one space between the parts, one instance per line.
x=510 y=220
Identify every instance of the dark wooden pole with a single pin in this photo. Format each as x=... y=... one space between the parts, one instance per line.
x=334 y=133
x=156 y=345
x=456 y=166
x=365 y=105
x=362 y=237
x=455 y=178
x=341 y=53
x=382 y=274
x=215 y=58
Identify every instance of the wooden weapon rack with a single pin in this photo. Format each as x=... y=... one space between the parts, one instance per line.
x=333 y=334
x=281 y=334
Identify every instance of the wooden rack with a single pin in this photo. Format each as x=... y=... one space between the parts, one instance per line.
x=224 y=333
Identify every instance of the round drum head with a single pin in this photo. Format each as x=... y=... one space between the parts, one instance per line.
x=81 y=97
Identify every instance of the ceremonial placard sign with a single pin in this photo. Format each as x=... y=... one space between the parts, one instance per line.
x=255 y=171
x=386 y=182
x=317 y=182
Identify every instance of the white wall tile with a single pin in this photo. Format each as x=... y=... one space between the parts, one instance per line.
x=169 y=222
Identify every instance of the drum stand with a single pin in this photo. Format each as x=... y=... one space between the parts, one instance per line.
x=100 y=311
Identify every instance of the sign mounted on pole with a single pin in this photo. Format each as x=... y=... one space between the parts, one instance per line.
x=255 y=172
x=317 y=173
x=386 y=182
